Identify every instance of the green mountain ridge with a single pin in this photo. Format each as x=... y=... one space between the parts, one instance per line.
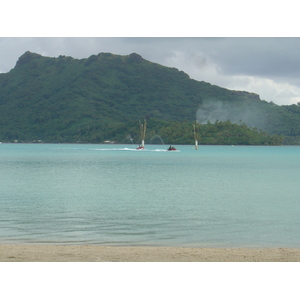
x=103 y=96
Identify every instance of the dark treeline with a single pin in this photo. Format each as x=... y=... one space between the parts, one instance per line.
x=219 y=133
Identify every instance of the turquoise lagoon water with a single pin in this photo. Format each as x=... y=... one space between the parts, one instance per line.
x=217 y=196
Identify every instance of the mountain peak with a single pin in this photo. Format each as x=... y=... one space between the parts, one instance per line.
x=26 y=58
x=134 y=57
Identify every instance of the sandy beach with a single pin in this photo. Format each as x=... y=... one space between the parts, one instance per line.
x=87 y=253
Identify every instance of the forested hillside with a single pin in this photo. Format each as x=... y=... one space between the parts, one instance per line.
x=103 y=97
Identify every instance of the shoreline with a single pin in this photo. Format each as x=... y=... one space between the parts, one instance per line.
x=92 y=253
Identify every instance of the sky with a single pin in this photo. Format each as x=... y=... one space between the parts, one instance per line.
x=267 y=66
x=228 y=48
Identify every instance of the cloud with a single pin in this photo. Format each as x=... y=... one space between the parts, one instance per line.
x=279 y=88
x=269 y=67
x=281 y=93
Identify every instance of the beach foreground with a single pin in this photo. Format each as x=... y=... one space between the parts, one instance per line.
x=88 y=253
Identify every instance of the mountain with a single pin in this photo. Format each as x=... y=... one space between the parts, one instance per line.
x=101 y=97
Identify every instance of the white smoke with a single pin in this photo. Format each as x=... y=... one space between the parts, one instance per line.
x=214 y=110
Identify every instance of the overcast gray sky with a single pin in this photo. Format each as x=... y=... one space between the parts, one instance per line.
x=268 y=66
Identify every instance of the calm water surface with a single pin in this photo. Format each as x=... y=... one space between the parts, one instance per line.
x=217 y=196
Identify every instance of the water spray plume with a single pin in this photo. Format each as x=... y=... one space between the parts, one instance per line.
x=196 y=137
x=143 y=134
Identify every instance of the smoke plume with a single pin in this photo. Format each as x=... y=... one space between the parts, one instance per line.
x=214 y=110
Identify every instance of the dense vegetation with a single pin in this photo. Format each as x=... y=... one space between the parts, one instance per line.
x=104 y=96
x=219 y=133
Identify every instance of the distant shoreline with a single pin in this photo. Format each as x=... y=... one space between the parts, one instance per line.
x=89 y=253
x=135 y=145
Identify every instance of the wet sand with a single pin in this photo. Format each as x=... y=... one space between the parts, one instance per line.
x=87 y=253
